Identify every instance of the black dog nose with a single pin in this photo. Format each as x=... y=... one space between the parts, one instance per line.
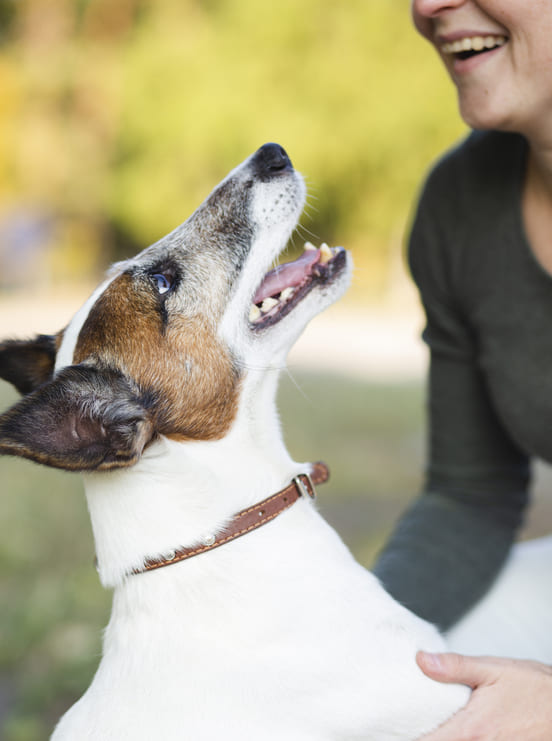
x=270 y=160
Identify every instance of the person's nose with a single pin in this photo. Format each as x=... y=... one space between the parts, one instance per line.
x=424 y=11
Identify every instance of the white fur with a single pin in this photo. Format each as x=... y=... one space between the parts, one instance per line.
x=278 y=635
x=66 y=351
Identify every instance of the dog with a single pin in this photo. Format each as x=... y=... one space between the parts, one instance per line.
x=237 y=610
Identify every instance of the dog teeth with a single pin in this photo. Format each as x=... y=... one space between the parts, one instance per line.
x=254 y=313
x=268 y=304
x=325 y=253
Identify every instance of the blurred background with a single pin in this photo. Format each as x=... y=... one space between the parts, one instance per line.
x=117 y=117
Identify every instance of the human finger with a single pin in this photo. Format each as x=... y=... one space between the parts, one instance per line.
x=456 y=668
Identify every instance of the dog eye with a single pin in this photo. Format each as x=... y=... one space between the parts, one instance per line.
x=163 y=283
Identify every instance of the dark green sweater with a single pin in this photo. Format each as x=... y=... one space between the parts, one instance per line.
x=489 y=329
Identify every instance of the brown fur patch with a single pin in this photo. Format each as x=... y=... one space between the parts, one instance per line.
x=59 y=338
x=181 y=370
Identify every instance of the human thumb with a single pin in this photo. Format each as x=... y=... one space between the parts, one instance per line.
x=457 y=669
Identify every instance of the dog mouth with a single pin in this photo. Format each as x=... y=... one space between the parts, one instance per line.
x=286 y=285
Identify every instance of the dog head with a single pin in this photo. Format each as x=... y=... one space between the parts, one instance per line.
x=163 y=346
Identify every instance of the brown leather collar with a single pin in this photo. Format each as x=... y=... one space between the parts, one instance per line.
x=249 y=519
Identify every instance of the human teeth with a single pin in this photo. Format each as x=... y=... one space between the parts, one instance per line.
x=473 y=43
x=309 y=246
x=286 y=293
x=325 y=254
x=254 y=313
x=268 y=304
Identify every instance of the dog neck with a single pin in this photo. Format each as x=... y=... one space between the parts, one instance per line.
x=180 y=492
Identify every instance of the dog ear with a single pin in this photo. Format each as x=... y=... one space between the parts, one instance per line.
x=86 y=419
x=28 y=364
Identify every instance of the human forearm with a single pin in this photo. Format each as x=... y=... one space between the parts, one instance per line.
x=444 y=555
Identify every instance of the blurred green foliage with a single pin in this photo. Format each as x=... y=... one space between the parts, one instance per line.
x=118 y=118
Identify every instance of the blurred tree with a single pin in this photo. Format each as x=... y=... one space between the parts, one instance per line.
x=118 y=118
x=7 y=17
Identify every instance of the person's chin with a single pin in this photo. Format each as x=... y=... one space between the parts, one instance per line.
x=479 y=114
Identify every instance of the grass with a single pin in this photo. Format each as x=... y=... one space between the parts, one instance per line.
x=53 y=608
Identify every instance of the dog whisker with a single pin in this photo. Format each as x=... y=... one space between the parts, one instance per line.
x=264 y=368
x=302 y=228
x=292 y=378
x=309 y=207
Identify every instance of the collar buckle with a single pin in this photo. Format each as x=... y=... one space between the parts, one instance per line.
x=306 y=489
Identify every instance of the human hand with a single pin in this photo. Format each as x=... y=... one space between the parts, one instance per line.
x=511 y=699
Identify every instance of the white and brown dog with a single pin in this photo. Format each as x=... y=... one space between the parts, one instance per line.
x=162 y=391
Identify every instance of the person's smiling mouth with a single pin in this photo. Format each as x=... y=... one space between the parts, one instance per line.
x=470 y=46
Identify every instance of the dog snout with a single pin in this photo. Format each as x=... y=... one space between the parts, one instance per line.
x=270 y=160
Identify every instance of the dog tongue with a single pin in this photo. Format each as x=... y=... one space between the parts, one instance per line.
x=288 y=274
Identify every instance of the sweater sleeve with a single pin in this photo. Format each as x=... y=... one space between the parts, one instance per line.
x=449 y=546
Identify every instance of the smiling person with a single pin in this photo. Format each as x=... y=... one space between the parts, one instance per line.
x=481 y=254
